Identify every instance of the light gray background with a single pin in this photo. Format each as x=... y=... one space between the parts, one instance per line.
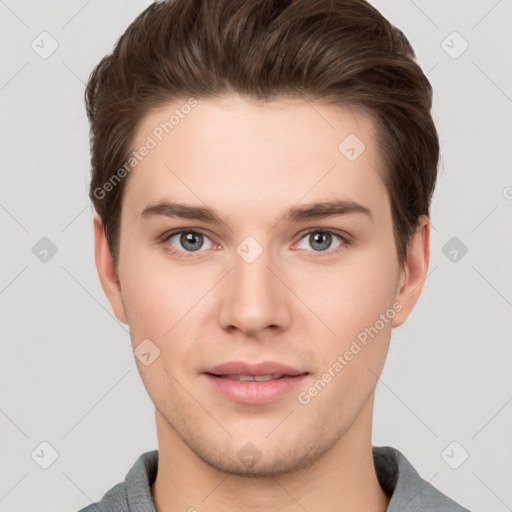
x=68 y=375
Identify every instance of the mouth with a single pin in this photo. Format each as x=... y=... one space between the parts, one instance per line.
x=258 y=383
x=269 y=370
x=252 y=378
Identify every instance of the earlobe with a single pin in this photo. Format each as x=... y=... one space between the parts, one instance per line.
x=107 y=271
x=414 y=271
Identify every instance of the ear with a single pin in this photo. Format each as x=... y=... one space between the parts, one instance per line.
x=107 y=270
x=414 y=271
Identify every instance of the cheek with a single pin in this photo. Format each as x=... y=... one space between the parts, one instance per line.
x=360 y=312
x=151 y=297
x=161 y=299
x=157 y=310
x=351 y=296
x=154 y=302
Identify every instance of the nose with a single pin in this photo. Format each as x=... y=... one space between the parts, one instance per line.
x=254 y=298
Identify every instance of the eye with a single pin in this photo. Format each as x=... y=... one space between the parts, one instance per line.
x=321 y=240
x=186 y=241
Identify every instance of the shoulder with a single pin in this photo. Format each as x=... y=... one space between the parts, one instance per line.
x=407 y=489
x=113 y=501
x=134 y=493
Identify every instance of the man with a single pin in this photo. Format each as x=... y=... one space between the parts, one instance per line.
x=262 y=173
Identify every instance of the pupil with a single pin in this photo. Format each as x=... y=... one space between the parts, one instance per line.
x=188 y=240
x=323 y=239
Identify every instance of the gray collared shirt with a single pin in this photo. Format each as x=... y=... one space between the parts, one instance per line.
x=408 y=491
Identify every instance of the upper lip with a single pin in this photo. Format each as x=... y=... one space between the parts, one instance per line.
x=262 y=368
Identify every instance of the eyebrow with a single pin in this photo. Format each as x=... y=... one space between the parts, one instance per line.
x=311 y=211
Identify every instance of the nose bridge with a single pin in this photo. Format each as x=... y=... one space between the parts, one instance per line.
x=253 y=299
x=253 y=276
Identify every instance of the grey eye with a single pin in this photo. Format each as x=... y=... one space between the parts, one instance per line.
x=320 y=240
x=190 y=241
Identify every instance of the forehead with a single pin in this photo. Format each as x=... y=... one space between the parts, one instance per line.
x=233 y=151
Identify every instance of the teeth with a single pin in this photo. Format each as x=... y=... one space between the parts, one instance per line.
x=260 y=378
x=257 y=378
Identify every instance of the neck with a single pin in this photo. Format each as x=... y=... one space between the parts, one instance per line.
x=344 y=476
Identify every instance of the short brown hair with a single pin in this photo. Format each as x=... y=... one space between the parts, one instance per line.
x=341 y=52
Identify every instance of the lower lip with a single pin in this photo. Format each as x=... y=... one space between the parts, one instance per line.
x=253 y=392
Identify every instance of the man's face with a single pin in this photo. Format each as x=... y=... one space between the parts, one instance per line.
x=257 y=287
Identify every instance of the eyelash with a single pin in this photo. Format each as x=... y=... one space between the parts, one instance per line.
x=346 y=241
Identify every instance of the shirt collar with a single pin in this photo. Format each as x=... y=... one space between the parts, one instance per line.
x=397 y=477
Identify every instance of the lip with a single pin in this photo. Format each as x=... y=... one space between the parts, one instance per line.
x=262 y=368
x=254 y=392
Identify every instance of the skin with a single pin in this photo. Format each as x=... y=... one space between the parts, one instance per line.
x=250 y=162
